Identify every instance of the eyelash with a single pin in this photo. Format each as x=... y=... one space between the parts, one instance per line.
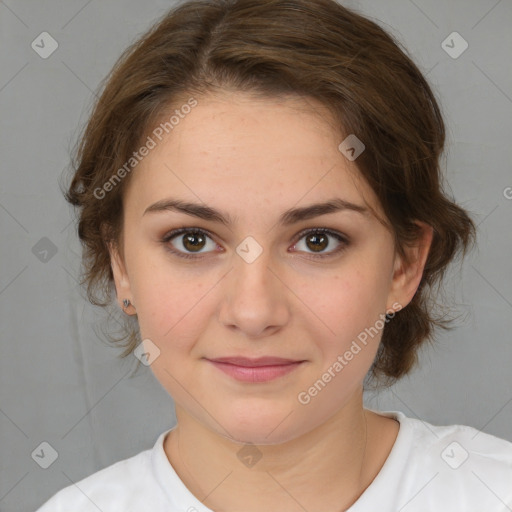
x=340 y=238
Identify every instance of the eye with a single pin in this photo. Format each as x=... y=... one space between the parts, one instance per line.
x=192 y=241
x=317 y=240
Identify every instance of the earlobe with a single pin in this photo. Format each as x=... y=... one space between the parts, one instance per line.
x=121 y=280
x=407 y=274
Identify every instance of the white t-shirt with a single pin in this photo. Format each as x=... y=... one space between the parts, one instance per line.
x=430 y=468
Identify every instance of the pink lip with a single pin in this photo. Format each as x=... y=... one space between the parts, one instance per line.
x=255 y=370
x=254 y=362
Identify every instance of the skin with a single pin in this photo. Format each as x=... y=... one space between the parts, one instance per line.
x=253 y=159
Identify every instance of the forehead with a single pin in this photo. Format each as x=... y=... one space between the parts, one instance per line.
x=270 y=150
x=231 y=124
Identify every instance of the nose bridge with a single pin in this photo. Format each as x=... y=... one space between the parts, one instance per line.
x=252 y=266
x=253 y=299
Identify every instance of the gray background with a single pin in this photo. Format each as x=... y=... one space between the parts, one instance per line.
x=62 y=384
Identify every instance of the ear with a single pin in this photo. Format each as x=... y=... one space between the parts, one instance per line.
x=407 y=277
x=121 y=280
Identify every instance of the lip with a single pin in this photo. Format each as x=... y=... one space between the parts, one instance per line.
x=254 y=362
x=263 y=369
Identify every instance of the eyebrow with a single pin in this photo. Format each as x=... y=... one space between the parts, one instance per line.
x=289 y=217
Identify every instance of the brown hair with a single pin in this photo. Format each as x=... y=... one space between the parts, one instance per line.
x=311 y=48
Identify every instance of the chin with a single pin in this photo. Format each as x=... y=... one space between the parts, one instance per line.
x=272 y=430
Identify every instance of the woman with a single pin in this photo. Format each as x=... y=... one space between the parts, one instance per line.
x=260 y=183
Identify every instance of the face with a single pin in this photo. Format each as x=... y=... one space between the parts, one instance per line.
x=306 y=286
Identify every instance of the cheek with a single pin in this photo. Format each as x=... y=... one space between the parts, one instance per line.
x=347 y=340
x=345 y=336
x=169 y=302
x=346 y=303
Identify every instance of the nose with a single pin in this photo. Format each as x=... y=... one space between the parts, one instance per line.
x=254 y=297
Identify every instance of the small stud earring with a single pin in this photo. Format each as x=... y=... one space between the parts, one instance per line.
x=126 y=303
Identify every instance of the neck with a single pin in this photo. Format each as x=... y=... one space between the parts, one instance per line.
x=324 y=469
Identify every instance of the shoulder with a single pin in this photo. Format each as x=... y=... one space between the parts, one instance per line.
x=456 y=444
x=459 y=463
x=130 y=480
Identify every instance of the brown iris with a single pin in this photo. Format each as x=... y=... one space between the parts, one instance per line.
x=319 y=241
x=193 y=241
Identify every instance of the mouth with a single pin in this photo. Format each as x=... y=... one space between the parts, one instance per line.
x=262 y=369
